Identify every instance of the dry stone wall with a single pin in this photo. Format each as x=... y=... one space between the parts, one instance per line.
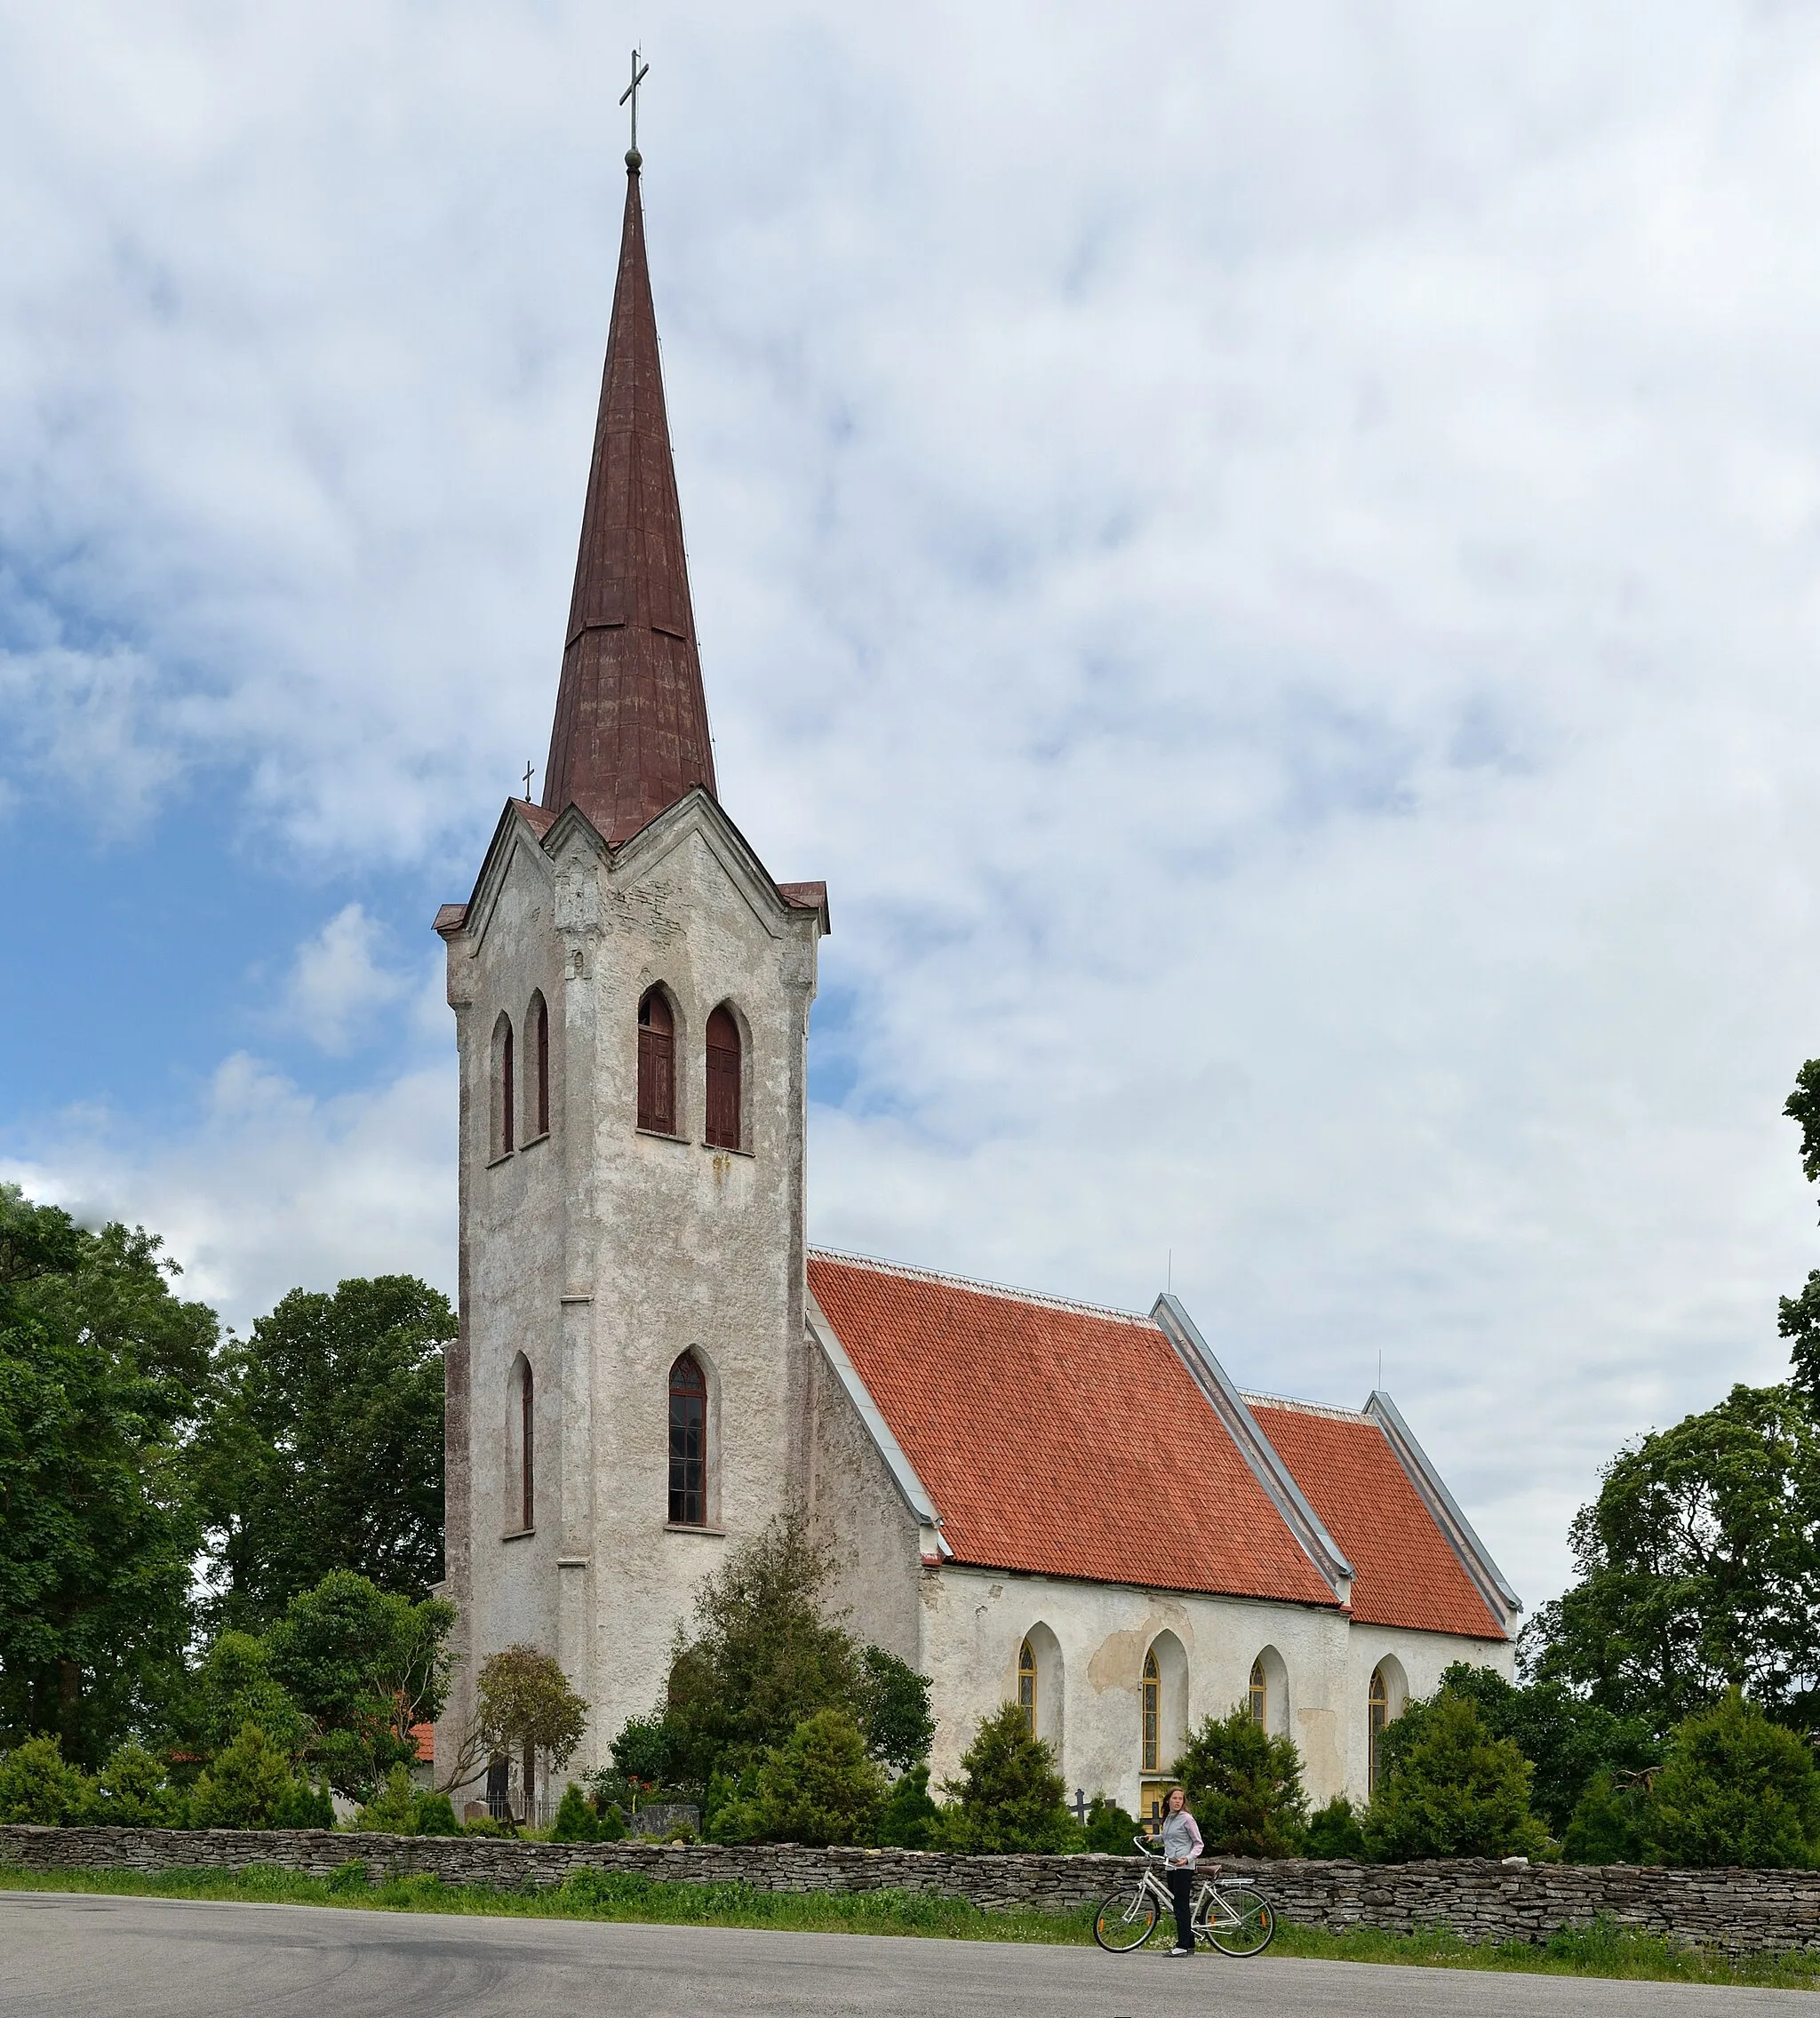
x=1481 y=1900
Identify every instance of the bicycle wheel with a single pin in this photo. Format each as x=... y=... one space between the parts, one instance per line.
x=1251 y=1928
x=1126 y=1920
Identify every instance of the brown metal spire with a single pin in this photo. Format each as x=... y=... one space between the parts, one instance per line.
x=631 y=730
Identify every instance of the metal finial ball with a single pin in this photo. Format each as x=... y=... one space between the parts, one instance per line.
x=635 y=161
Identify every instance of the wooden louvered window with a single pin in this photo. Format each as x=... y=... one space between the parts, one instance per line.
x=1258 y=1695
x=1152 y=1704
x=688 y=1443
x=722 y=1080
x=657 y=1064
x=540 y=1044
x=1027 y=1686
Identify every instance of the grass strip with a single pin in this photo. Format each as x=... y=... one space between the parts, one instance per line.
x=1603 y=1950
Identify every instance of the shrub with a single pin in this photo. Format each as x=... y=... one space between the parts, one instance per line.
x=576 y=1821
x=484 y=1825
x=1602 y=1828
x=435 y=1815
x=38 y=1784
x=1010 y=1796
x=393 y=1810
x=907 y=1819
x=819 y=1787
x=243 y=1785
x=1244 y=1787
x=350 y=1876
x=237 y=1687
x=1334 y=1832
x=642 y=1752
x=611 y=1828
x=1110 y=1830
x=1456 y=1791
x=891 y=1706
x=1736 y=1789
x=304 y=1806
x=132 y=1792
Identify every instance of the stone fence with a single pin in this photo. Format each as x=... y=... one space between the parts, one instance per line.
x=1479 y=1900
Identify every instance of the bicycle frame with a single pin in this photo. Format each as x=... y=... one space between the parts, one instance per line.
x=1209 y=1909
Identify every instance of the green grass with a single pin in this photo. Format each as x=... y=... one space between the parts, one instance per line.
x=1603 y=1950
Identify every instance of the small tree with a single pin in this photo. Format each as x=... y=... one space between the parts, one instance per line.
x=524 y=1705
x=819 y=1788
x=38 y=1784
x=908 y=1818
x=235 y=1686
x=1602 y=1828
x=1736 y=1789
x=133 y=1791
x=576 y=1820
x=1244 y=1787
x=1334 y=1832
x=892 y=1709
x=1010 y=1796
x=1110 y=1830
x=1456 y=1791
x=244 y=1785
x=392 y=1809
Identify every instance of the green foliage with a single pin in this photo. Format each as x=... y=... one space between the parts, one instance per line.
x=104 y=1377
x=1452 y=1789
x=820 y=1786
x=392 y=1809
x=576 y=1820
x=908 y=1816
x=235 y=1686
x=524 y=1700
x=610 y=1826
x=309 y=1807
x=1602 y=1828
x=1010 y=1796
x=641 y=1753
x=1735 y=1790
x=1334 y=1831
x=363 y=1666
x=1244 y=1787
x=325 y=1451
x=435 y=1815
x=891 y=1706
x=132 y=1790
x=38 y=1784
x=243 y=1786
x=1110 y=1830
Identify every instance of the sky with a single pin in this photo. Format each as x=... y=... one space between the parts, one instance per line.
x=1267 y=552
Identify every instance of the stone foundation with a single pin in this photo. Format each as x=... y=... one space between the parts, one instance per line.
x=1480 y=1901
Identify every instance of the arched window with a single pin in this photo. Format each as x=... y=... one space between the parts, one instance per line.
x=1027 y=1686
x=500 y=1102
x=688 y=1443
x=657 y=1064
x=1376 y=1716
x=722 y=1080
x=1258 y=1695
x=1153 y=1710
x=541 y=1059
x=521 y=1448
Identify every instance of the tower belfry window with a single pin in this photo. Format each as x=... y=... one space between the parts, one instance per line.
x=722 y=1080
x=688 y=1443
x=540 y=1046
x=657 y=1064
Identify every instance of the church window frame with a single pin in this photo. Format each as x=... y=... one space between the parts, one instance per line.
x=500 y=1104
x=724 y=1080
x=657 y=1061
x=1376 y=1722
x=537 y=1022
x=690 y=1443
x=521 y=1449
x=1152 y=1713
x=1258 y=1695
x=1026 y=1686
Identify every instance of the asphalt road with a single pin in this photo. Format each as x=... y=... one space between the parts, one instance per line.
x=74 y=1955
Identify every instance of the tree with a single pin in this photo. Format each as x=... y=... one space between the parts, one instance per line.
x=820 y=1786
x=523 y=1705
x=1110 y=1830
x=235 y=1685
x=891 y=1704
x=38 y=1784
x=1010 y=1796
x=1453 y=1791
x=363 y=1666
x=325 y=1450
x=1334 y=1831
x=1244 y=1787
x=1697 y=1572
x=244 y=1785
x=907 y=1817
x=1735 y=1790
x=576 y=1820
x=104 y=1375
x=1602 y=1828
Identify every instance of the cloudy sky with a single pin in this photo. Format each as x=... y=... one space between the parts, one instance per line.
x=1269 y=554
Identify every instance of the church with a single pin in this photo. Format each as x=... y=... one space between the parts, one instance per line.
x=653 y=1363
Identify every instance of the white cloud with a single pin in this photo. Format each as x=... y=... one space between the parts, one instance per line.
x=1278 y=578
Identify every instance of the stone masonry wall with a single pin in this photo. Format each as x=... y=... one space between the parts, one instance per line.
x=1751 y=1909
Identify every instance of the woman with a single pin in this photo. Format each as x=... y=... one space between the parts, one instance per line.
x=1181 y=1846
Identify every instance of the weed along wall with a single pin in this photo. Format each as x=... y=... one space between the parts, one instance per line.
x=1750 y=1910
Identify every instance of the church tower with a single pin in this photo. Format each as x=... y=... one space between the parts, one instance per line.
x=631 y=988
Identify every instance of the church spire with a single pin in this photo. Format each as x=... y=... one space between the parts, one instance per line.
x=631 y=732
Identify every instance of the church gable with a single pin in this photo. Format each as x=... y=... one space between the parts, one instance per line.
x=1038 y=1429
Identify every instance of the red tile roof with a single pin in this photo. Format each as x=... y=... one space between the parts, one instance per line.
x=425 y=1735
x=1405 y=1571
x=1035 y=1425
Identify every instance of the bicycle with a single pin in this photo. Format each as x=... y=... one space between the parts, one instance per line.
x=1234 y=1918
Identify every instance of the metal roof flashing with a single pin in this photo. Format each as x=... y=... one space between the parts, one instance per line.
x=903 y=1473
x=1475 y=1558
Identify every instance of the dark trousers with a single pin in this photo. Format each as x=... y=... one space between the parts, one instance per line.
x=1181 y=1888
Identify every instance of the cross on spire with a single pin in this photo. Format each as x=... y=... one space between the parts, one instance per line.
x=639 y=72
x=528 y=769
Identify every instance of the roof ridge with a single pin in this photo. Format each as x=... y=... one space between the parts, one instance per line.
x=1008 y=1293
x=1261 y=1400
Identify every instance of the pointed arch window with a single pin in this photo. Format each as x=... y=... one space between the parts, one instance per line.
x=688 y=1443
x=1257 y=1695
x=723 y=1063
x=1026 y=1686
x=540 y=1061
x=657 y=1064
x=501 y=1099
x=1153 y=1710
x=1377 y=1720
x=521 y=1449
